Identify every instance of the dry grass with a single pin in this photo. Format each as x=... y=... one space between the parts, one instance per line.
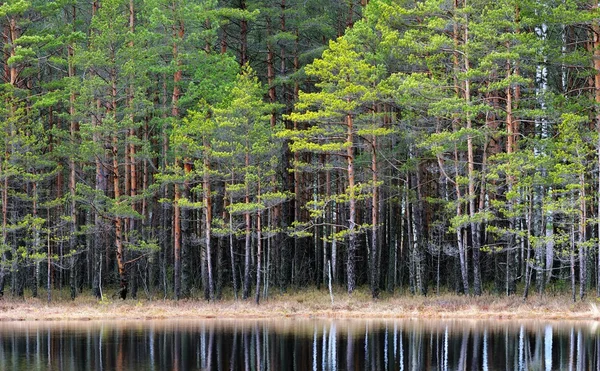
x=307 y=304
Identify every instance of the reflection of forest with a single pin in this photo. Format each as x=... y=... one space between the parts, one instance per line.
x=300 y=345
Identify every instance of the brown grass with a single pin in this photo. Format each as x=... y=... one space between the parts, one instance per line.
x=307 y=304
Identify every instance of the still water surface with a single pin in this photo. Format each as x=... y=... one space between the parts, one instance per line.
x=300 y=345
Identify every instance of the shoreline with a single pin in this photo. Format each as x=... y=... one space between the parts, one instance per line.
x=306 y=304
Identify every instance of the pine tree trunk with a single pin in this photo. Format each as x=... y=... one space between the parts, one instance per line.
x=118 y=224
x=298 y=178
x=247 y=245
x=596 y=62
x=185 y=255
x=166 y=223
x=326 y=229
x=475 y=231
x=177 y=242
x=72 y=168
x=218 y=272
x=49 y=271
x=231 y=247
x=542 y=127
x=582 y=239
x=334 y=247
x=101 y=188
x=297 y=215
x=13 y=31
x=511 y=128
x=247 y=252
x=418 y=233
x=412 y=276
x=208 y=222
x=5 y=231
x=178 y=33
x=36 y=242
x=462 y=251
x=572 y=263
x=130 y=161
x=375 y=273
x=258 y=255
x=351 y=258
x=526 y=258
x=118 y=220
x=267 y=268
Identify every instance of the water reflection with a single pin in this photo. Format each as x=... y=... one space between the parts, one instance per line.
x=300 y=345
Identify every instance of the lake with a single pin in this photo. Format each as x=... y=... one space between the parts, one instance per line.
x=300 y=344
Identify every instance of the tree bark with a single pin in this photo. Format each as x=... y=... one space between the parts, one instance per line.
x=177 y=241
x=258 y=250
x=72 y=168
x=186 y=230
x=596 y=65
x=475 y=232
x=526 y=258
x=231 y=245
x=208 y=220
x=248 y=240
x=511 y=128
x=582 y=238
x=462 y=251
x=131 y=160
x=375 y=268
x=572 y=263
x=351 y=258
x=118 y=223
x=178 y=33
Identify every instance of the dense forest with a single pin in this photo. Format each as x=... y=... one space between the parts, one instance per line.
x=211 y=148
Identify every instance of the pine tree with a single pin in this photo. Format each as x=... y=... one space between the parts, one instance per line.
x=246 y=138
x=347 y=85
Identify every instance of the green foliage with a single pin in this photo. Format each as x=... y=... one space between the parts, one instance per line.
x=398 y=103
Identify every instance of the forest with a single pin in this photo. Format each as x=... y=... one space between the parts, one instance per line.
x=236 y=148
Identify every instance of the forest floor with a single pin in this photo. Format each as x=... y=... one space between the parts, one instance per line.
x=307 y=304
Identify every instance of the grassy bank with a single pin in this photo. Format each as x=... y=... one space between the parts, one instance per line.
x=306 y=304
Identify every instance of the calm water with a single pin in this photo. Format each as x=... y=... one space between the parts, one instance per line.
x=300 y=345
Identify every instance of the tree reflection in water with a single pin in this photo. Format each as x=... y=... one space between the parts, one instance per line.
x=301 y=345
